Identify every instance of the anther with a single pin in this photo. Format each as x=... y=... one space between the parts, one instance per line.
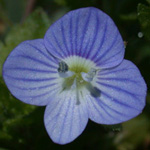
x=63 y=70
x=90 y=75
x=63 y=67
x=94 y=91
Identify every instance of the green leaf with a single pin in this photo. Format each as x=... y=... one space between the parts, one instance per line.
x=60 y=2
x=134 y=133
x=14 y=9
x=148 y=1
x=34 y=27
x=13 y=111
x=144 y=18
x=128 y=17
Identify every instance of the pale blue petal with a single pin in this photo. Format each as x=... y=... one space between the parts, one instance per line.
x=89 y=33
x=30 y=73
x=123 y=93
x=64 y=119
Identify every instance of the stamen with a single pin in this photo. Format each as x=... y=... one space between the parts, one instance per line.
x=90 y=75
x=94 y=91
x=63 y=67
x=66 y=74
x=63 y=70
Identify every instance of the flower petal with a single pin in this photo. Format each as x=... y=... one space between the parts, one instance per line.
x=89 y=33
x=123 y=93
x=30 y=73
x=64 y=119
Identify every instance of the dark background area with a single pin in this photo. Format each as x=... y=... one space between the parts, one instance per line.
x=21 y=125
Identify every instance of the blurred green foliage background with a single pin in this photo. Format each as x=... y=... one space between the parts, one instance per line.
x=21 y=125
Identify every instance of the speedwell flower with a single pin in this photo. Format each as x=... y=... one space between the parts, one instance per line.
x=78 y=71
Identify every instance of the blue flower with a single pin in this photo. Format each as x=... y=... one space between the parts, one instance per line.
x=79 y=73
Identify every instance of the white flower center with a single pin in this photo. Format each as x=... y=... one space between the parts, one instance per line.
x=78 y=73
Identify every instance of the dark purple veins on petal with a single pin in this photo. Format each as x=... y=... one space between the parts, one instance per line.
x=76 y=33
x=29 y=79
x=70 y=27
x=102 y=41
x=33 y=88
x=119 y=89
x=108 y=49
x=107 y=107
x=33 y=59
x=64 y=119
x=119 y=101
x=84 y=32
x=64 y=38
x=31 y=69
x=94 y=38
x=46 y=56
